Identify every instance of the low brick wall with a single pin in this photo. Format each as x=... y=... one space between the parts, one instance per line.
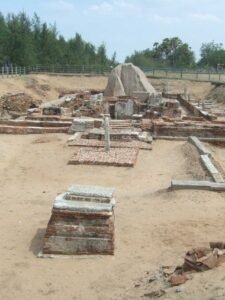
x=188 y=129
x=4 y=129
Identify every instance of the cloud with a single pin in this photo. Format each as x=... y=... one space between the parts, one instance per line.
x=114 y=8
x=205 y=17
x=104 y=7
x=165 y=19
x=62 y=6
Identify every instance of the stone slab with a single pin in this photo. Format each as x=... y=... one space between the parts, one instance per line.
x=200 y=147
x=92 y=191
x=211 y=169
x=83 y=207
x=197 y=185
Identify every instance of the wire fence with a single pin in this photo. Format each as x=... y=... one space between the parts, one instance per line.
x=69 y=69
x=164 y=73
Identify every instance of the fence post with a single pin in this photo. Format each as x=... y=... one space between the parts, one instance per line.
x=209 y=76
x=2 y=71
x=197 y=76
x=181 y=74
x=7 y=70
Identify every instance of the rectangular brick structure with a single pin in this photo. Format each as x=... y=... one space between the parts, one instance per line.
x=82 y=222
x=119 y=157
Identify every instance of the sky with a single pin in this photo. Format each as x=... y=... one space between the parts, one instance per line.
x=129 y=25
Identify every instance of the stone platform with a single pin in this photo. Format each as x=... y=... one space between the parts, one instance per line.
x=119 y=157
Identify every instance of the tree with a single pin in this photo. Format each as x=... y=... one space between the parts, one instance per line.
x=212 y=54
x=171 y=52
x=19 y=41
x=25 y=41
x=3 y=36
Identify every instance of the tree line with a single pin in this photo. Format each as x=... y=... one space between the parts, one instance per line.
x=26 y=41
x=173 y=52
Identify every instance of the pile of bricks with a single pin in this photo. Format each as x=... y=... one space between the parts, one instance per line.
x=119 y=157
x=82 y=222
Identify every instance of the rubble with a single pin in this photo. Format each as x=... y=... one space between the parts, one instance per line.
x=197 y=260
x=17 y=103
x=52 y=110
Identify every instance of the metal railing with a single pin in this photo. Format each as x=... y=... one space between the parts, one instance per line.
x=165 y=73
x=12 y=71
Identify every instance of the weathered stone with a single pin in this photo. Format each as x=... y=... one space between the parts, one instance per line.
x=175 y=280
x=126 y=80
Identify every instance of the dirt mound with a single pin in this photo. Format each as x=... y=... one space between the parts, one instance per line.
x=217 y=94
x=40 y=88
x=125 y=80
x=192 y=164
x=19 y=102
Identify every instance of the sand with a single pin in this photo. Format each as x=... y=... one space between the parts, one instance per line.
x=154 y=227
x=46 y=87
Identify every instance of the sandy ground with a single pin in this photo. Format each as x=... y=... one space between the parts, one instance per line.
x=154 y=227
x=45 y=87
x=197 y=90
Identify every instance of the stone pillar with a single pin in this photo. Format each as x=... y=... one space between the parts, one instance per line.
x=186 y=93
x=107 y=133
x=166 y=87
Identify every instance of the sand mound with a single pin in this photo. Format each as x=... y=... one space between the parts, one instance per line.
x=125 y=80
x=217 y=94
x=192 y=164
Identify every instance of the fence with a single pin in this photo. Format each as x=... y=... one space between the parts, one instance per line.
x=12 y=71
x=69 y=69
x=196 y=75
x=184 y=74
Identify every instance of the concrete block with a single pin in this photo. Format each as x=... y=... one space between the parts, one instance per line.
x=197 y=185
x=199 y=146
x=211 y=169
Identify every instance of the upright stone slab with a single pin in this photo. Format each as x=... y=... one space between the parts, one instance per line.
x=82 y=222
